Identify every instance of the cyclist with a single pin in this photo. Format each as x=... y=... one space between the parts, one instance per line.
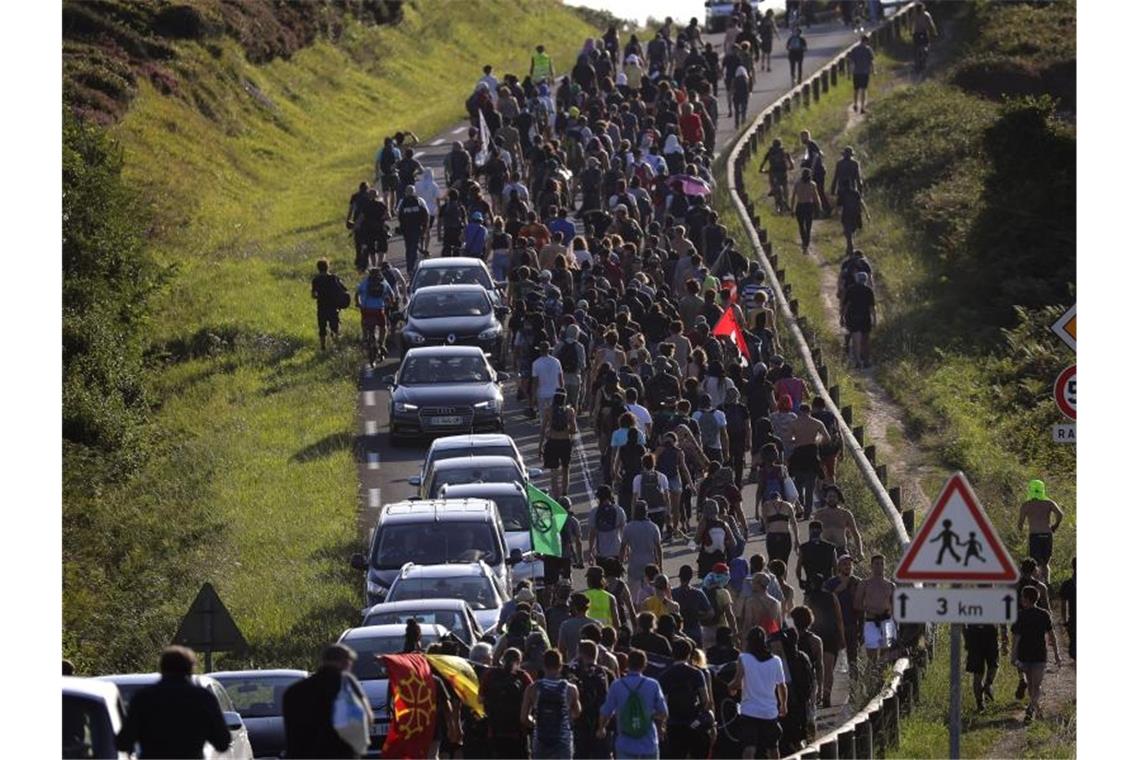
x=373 y=297
x=921 y=32
x=778 y=162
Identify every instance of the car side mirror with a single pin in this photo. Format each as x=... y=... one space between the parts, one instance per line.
x=357 y=562
x=534 y=472
x=388 y=381
x=515 y=557
x=502 y=377
x=415 y=480
x=233 y=721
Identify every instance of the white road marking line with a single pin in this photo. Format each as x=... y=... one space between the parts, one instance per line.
x=371 y=427
x=439 y=141
x=368 y=372
x=417 y=154
x=458 y=130
x=369 y=398
x=373 y=460
x=374 y=497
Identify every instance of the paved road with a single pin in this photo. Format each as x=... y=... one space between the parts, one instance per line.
x=384 y=469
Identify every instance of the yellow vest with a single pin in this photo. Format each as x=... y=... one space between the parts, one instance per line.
x=600 y=608
x=543 y=67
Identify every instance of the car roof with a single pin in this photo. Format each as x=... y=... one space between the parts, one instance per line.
x=438 y=510
x=437 y=603
x=462 y=288
x=455 y=570
x=471 y=439
x=444 y=350
x=486 y=490
x=93 y=688
x=273 y=673
x=447 y=262
x=144 y=679
x=389 y=630
x=483 y=460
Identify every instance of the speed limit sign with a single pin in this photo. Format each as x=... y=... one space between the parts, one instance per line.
x=1065 y=392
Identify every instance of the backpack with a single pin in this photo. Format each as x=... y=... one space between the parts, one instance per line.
x=684 y=704
x=549 y=709
x=633 y=718
x=606 y=518
x=568 y=356
x=533 y=649
x=592 y=687
x=631 y=453
x=559 y=419
x=803 y=678
x=343 y=298
x=376 y=287
x=710 y=431
x=651 y=491
x=737 y=417
x=714 y=540
x=771 y=479
x=504 y=700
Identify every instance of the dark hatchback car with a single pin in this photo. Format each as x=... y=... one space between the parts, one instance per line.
x=257 y=696
x=453 y=315
x=441 y=390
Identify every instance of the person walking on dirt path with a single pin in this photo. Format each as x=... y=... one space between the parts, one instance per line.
x=805 y=196
x=859 y=316
x=1068 y=596
x=1033 y=628
x=813 y=159
x=1028 y=578
x=414 y=219
x=779 y=163
x=845 y=585
x=796 y=47
x=862 y=58
x=874 y=602
x=331 y=296
x=847 y=188
x=1044 y=517
x=923 y=28
x=839 y=522
x=982 y=657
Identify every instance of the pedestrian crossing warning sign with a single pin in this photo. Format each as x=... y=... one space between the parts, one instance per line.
x=956 y=542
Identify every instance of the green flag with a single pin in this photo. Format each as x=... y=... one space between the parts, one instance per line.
x=546 y=520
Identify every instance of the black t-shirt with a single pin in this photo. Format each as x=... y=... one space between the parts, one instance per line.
x=1069 y=594
x=859 y=299
x=651 y=643
x=818 y=558
x=1031 y=626
x=682 y=684
x=326 y=289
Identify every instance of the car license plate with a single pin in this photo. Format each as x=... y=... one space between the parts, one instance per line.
x=379 y=729
x=442 y=421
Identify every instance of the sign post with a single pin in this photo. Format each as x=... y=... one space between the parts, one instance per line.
x=957 y=545
x=208 y=627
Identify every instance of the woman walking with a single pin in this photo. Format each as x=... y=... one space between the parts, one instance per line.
x=805 y=194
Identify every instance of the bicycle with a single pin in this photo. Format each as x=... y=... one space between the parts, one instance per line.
x=778 y=191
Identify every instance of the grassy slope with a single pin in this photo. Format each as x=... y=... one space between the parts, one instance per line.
x=945 y=393
x=256 y=427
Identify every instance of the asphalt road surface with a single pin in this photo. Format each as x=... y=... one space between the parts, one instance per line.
x=384 y=468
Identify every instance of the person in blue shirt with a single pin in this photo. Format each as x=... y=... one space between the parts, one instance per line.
x=475 y=236
x=558 y=222
x=373 y=296
x=652 y=698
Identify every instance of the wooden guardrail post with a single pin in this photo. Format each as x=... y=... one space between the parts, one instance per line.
x=906 y=694
x=881 y=474
x=914 y=675
x=908 y=521
x=825 y=80
x=846 y=414
x=833 y=391
x=794 y=305
x=823 y=373
x=829 y=750
x=833 y=75
x=870 y=452
x=816 y=356
x=878 y=738
x=846 y=741
x=891 y=721
x=896 y=496
x=864 y=744
x=815 y=87
x=858 y=433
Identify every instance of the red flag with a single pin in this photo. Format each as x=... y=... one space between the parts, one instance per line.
x=411 y=689
x=727 y=325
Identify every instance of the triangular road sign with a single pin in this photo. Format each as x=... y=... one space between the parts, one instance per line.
x=956 y=542
x=208 y=626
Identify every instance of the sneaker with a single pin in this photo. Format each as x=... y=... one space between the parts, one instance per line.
x=988 y=692
x=1022 y=686
x=1028 y=717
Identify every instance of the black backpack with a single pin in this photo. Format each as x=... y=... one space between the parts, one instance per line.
x=504 y=701
x=592 y=687
x=568 y=356
x=606 y=519
x=559 y=418
x=375 y=287
x=651 y=491
x=631 y=453
x=343 y=297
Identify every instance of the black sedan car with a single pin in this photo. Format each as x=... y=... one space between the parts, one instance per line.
x=452 y=315
x=441 y=390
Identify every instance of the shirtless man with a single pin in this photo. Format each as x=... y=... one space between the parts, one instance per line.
x=873 y=601
x=845 y=584
x=808 y=434
x=838 y=522
x=778 y=520
x=760 y=608
x=1044 y=518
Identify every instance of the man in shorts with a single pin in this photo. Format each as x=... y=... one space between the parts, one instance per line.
x=559 y=427
x=839 y=523
x=1044 y=518
x=1034 y=627
x=858 y=317
x=982 y=658
x=862 y=59
x=874 y=600
x=556 y=570
x=546 y=372
x=327 y=290
x=373 y=295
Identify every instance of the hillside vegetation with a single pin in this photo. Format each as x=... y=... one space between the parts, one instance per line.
x=216 y=442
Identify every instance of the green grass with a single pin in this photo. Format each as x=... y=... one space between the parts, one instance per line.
x=252 y=461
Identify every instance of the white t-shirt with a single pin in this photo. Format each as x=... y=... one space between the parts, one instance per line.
x=759 y=690
x=546 y=371
x=641 y=416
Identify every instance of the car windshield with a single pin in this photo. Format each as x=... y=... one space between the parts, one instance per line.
x=478 y=450
x=514 y=510
x=86 y=728
x=463 y=303
x=459 y=275
x=424 y=544
x=476 y=590
x=456 y=476
x=426 y=370
x=367 y=667
x=449 y=619
x=257 y=696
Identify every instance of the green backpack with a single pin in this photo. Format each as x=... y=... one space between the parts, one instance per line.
x=633 y=720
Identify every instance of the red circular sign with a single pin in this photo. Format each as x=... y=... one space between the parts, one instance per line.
x=1065 y=392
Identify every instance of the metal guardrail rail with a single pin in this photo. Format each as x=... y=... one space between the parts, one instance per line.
x=877 y=725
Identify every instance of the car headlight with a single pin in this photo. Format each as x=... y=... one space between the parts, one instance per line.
x=413 y=337
x=377 y=589
x=405 y=407
x=490 y=332
x=492 y=404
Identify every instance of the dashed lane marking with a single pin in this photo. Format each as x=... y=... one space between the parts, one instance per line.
x=373 y=497
x=373 y=460
x=371 y=427
x=417 y=154
x=459 y=130
x=369 y=398
x=438 y=141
